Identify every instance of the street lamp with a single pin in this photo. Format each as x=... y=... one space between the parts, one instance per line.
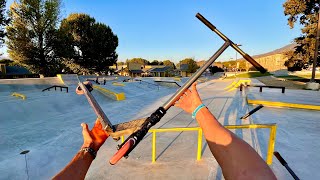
x=237 y=59
x=230 y=68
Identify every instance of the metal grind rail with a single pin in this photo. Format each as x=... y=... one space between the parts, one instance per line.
x=55 y=88
x=271 y=142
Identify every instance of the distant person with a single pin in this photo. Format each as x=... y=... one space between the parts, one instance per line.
x=104 y=81
x=97 y=80
x=238 y=160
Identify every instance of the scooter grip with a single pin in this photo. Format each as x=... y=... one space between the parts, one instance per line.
x=122 y=151
x=205 y=21
x=279 y=157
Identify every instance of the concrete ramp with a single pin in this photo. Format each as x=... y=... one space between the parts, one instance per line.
x=300 y=99
x=27 y=84
x=111 y=94
x=69 y=79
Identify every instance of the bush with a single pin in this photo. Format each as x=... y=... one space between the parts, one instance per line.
x=214 y=69
x=294 y=65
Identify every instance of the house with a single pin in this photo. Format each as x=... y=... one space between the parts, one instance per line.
x=16 y=70
x=123 y=72
x=184 y=70
x=136 y=69
x=117 y=68
x=160 y=72
x=153 y=66
x=3 y=69
x=131 y=69
x=13 y=72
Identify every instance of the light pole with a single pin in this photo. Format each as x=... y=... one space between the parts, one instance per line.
x=237 y=59
x=230 y=65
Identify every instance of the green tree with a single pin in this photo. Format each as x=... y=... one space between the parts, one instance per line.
x=120 y=63
x=138 y=60
x=94 y=44
x=169 y=63
x=192 y=64
x=305 y=12
x=70 y=66
x=3 y=21
x=229 y=64
x=31 y=34
x=242 y=65
x=156 y=62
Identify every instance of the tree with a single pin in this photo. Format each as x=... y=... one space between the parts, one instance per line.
x=70 y=66
x=138 y=60
x=192 y=64
x=229 y=64
x=31 y=34
x=242 y=65
x=94 y=43
x=294 y=62
x=306 y=13
x=169 y=63
x=3 y=21
x=294 y=65
x=156 y=62
x=120 y=63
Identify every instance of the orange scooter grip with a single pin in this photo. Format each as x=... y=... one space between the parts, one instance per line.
x=122 y=151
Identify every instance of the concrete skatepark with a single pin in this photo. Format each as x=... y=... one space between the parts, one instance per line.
x=48 y=125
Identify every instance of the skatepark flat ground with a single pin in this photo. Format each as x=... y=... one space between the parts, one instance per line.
x=48 y=124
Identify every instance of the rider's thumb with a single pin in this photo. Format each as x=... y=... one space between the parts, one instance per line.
x=85 y=130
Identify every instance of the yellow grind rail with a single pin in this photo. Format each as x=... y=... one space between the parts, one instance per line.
x=118 y=84
x=272 y=137
x=22 y=96
x=116 y=96
x=177 y=79
x=235 y=84
x=284 y=104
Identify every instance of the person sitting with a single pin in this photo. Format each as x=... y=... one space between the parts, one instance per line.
x=97 y=81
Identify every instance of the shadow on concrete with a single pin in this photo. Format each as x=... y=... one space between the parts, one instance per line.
x=182 y=131
x=172 y=141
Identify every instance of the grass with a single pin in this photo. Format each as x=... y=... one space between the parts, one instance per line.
x=249 y=75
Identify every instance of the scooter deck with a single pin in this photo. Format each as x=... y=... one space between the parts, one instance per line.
x=117 y=130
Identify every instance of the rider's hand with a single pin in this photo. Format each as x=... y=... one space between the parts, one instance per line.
x=190 y=100
x=94 y=138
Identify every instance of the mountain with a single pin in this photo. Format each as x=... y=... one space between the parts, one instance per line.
x=277 y=51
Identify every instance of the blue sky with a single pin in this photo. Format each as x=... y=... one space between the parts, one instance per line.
x=168 y=29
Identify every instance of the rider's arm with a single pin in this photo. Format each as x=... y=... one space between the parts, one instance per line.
x=79 y=165
x=77 y=168
x=238 y=160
